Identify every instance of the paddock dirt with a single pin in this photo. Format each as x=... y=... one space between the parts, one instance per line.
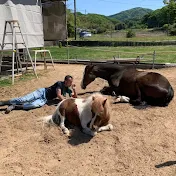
x=142 y=139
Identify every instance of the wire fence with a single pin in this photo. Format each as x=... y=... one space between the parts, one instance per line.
x=158 y=54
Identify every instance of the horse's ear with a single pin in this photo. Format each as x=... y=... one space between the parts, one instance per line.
x=104 y=102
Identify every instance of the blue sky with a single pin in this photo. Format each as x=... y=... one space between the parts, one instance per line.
x=110 y=7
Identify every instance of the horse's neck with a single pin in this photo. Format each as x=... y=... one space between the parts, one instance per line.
x=102 y=74
x=87 y=102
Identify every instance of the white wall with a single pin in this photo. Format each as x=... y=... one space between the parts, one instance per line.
x=29 y=15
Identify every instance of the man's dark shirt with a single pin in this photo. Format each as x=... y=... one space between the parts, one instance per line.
x=51 y=92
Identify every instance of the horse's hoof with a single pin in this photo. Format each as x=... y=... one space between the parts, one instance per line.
x=110 y=127
x=66 y=132
x=117 y=100
x=143 y=103
x=125 y=99
x=94 y=133
x=113 y=93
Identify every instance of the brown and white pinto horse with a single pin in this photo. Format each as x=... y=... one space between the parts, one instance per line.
x=135 y=86
x=91 y=114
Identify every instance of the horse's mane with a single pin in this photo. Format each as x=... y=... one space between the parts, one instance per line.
x=107 y=111
x=89 y=99
x=112 y=66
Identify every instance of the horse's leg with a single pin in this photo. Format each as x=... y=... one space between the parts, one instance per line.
x=122 y=99
x=138 y=100
x=108 y=127
x=89 y=131
x=156 y=95
x=108 y=91
x=62 y=125
x=85 y=129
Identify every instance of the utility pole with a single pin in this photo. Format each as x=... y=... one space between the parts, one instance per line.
x=75 y=17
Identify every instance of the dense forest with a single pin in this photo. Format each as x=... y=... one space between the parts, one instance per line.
x=136 y=18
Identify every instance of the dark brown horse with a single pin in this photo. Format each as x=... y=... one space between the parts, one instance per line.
x=139 y=86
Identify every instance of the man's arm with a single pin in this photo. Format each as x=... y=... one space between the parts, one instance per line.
x=59 y=95
x=74 y=94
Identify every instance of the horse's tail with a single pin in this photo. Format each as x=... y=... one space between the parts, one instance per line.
x=52 y=119
x=170 y=95
x=48 y=119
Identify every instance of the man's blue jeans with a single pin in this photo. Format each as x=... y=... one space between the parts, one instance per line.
x=32 y=100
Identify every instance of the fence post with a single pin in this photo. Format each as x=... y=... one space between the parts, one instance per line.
x=114 y=58
x=67 y=52
x=153 y=64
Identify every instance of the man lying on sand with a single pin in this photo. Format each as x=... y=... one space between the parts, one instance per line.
x=41 y=96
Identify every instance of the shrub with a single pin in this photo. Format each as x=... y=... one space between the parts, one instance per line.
x=60 y=45
x=130 y=34
x=172 y=29
x=101 y=30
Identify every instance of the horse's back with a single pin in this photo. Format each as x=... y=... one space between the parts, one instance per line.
x=153 y=79
x=114 y=67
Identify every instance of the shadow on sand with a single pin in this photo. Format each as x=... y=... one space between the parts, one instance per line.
x=77 y=137
x=166 y=164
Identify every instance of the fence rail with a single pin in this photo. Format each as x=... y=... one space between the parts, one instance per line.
x=111 y=43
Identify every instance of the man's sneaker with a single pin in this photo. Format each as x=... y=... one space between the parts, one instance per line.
x=9 y=109
x=3 y=103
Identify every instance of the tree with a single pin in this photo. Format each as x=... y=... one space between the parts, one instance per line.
x=120 y=26
x=165 y=15
x=168 y=1
x=172 y=11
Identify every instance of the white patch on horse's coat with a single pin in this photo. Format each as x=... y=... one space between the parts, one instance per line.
x=47 y=119
x=122 y=99
x=84 y=107
x=80 y=105
x=108 y=127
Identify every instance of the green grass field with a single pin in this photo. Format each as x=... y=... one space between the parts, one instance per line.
x=149 y=35
x=25 y=77
x=164 y=54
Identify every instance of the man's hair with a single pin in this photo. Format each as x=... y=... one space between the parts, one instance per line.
x=68 y=77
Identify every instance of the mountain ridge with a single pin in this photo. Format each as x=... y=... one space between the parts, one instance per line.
x=134 y=13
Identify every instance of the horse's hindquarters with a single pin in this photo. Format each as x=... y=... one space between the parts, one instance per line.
x=156 y=95
x=155 y=89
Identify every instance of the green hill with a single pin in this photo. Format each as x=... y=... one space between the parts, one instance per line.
x=97 y=23
x=135 y=13
x=94 y=21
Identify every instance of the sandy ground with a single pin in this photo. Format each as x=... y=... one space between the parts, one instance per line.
x=142 y=140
